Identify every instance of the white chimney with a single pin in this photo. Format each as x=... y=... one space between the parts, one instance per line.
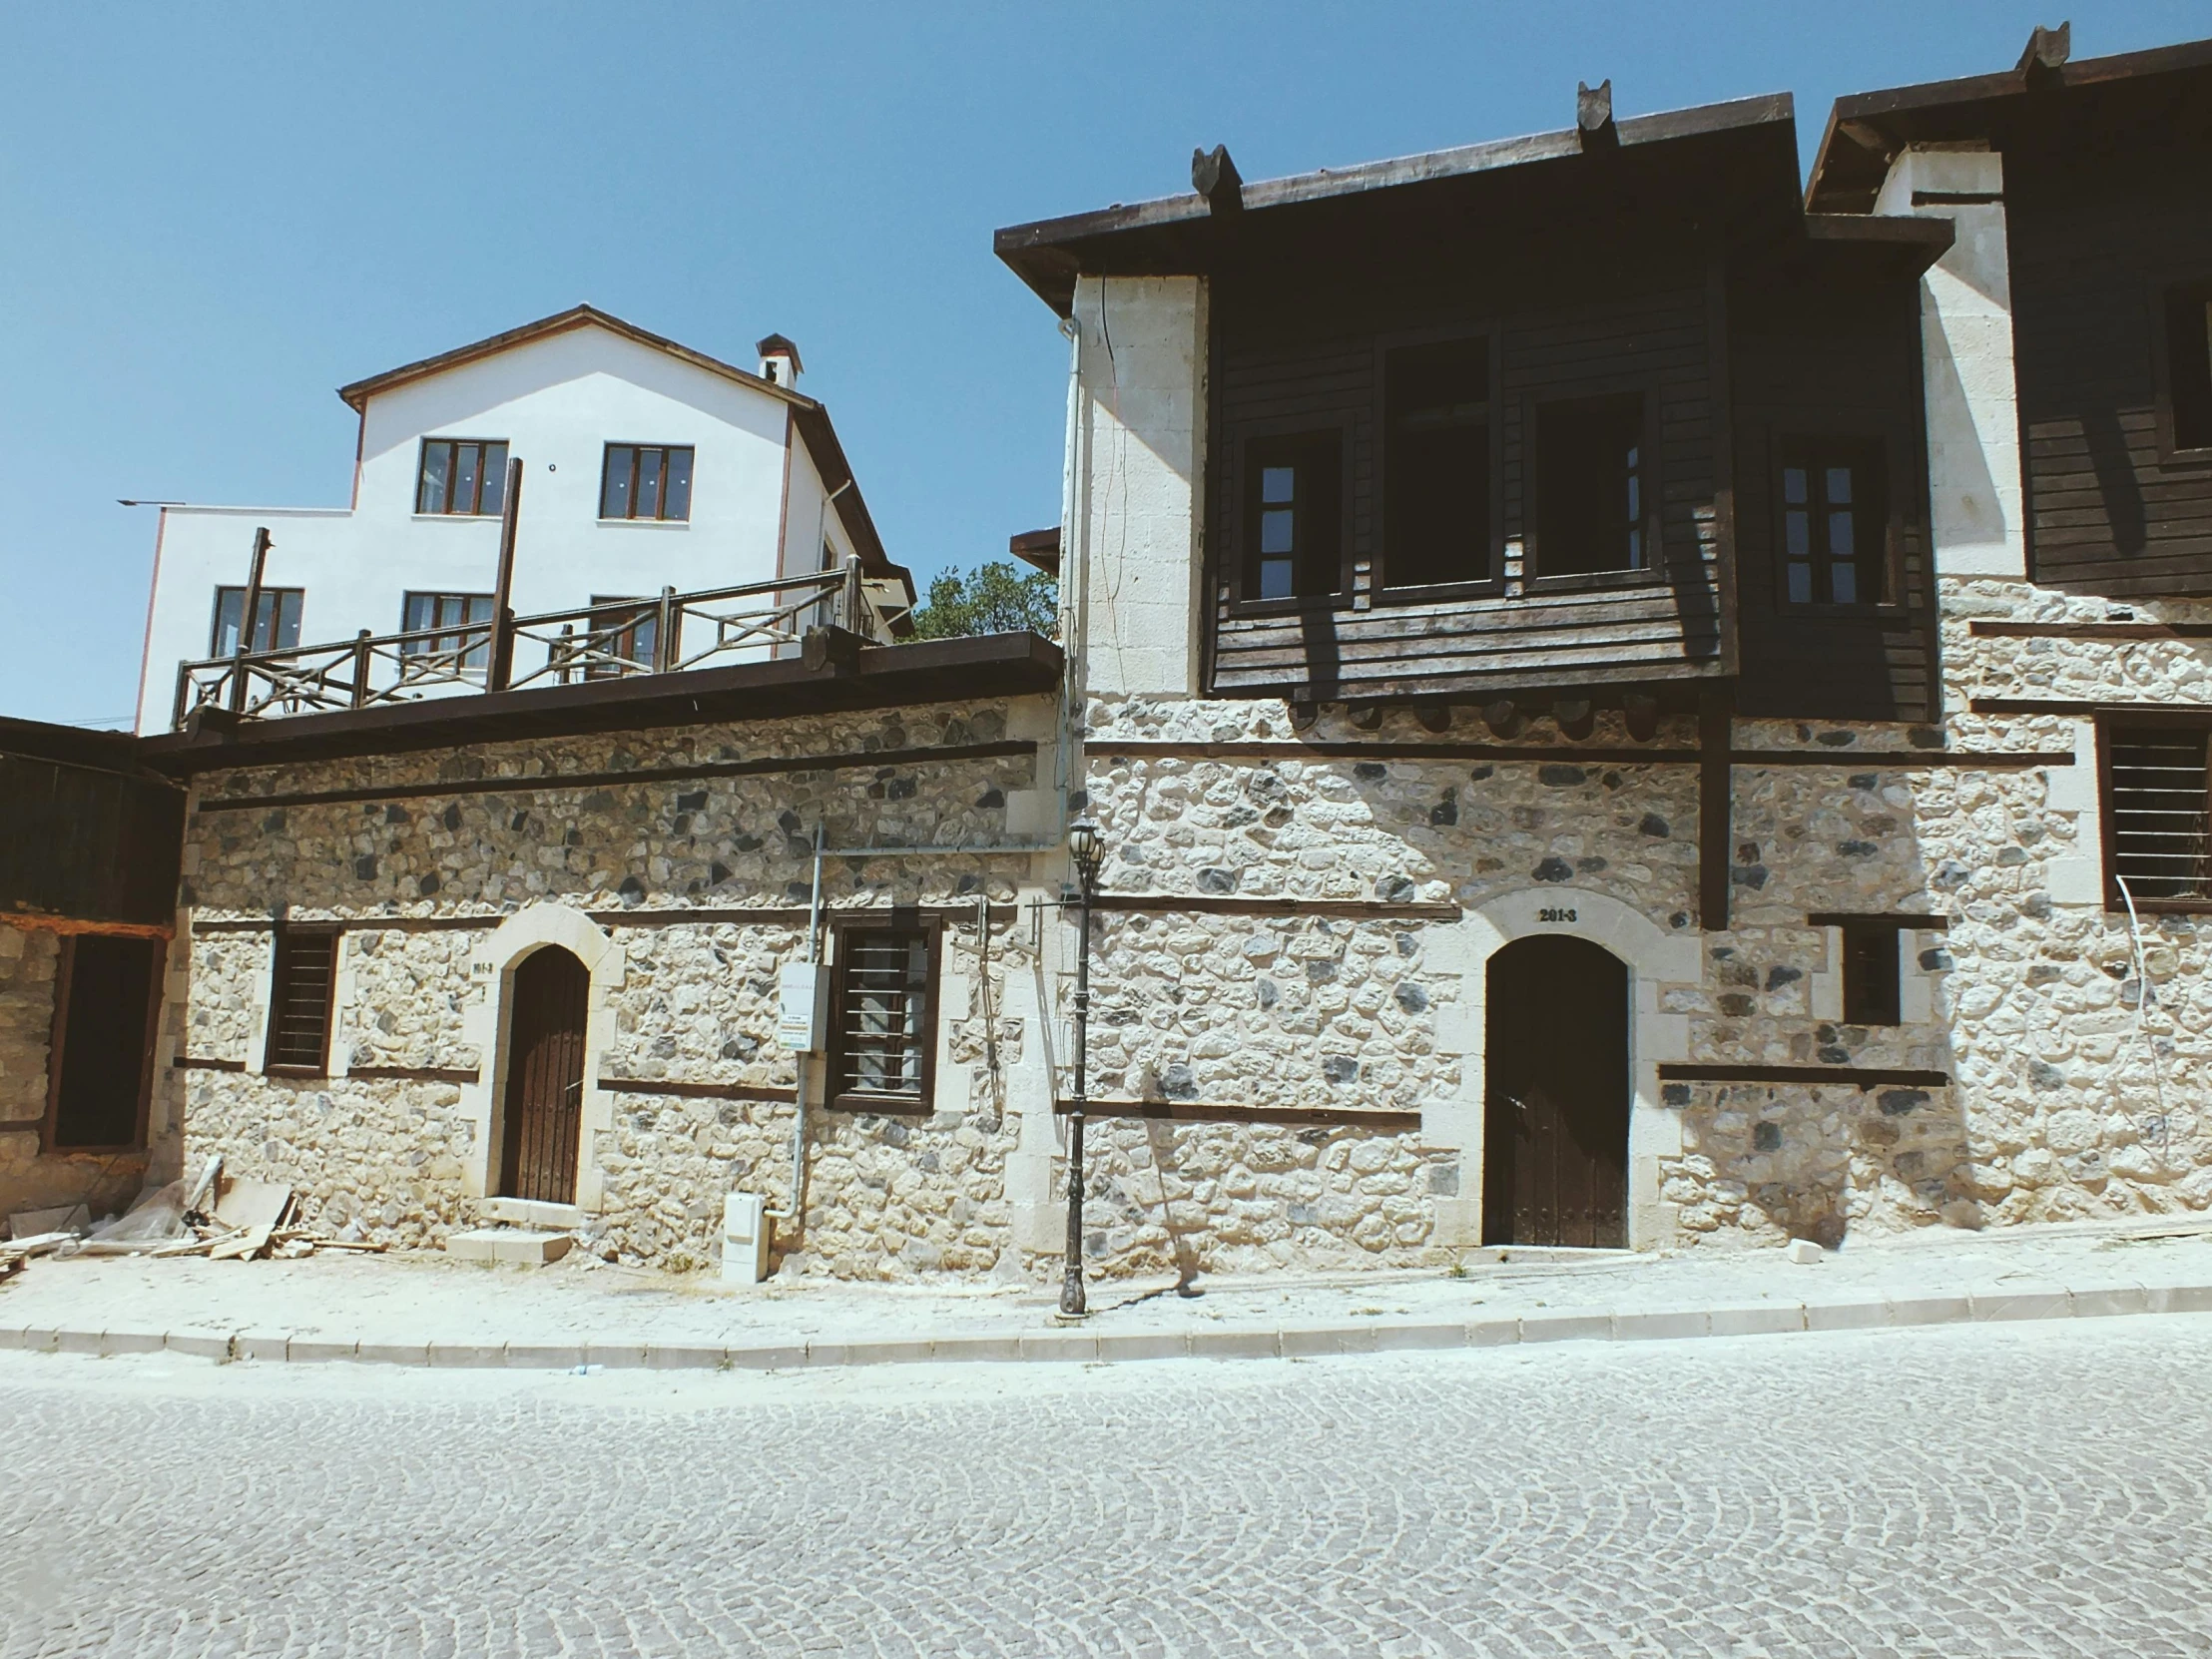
x=780 y=361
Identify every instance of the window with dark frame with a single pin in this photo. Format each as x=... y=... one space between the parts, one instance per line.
x=107 y=992
x=886 y=1018
x=1832 y=524
x=1592 y=486
x=275 y=620
x=302 y=982
x=462 y=477
x=646 y=481
x=2158 y=830
x=2188 y=364
x=1871 y=980
x=1294 y=516
x=625 y=628
x=1437 y=464
x=448 y=610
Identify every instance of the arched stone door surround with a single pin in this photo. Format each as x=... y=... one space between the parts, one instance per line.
x=1659 y=961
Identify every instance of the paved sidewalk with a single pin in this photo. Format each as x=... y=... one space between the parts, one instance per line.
x=425 y=1309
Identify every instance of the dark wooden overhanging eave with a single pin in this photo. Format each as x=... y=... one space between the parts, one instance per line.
x=874 y=677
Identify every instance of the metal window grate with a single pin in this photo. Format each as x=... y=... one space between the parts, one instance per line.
x=2160 y=808
x=300 y=1004
x=883 y=984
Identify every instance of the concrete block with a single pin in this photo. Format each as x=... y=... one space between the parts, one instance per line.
x=820 y=1355
x=1309 y=1341
x=2180 y=1299
x=544 y=1356
x=1145 y=1344
x=530 y=1212
x=967 y=1348
x=1929 y=1310
x=885 y=1353
x=11 y=1336
x=1059 y=1344
x=1235 y=1345
x=766 y=1357
x=262 y=1344
x=1491 y=1333
x=1758 y=1320
x=1804 y=1252
x=1847 y=1313
x=1409 y=1338
x=1566 y=1327
x=315 y=1349
x=199 y=1345
x=477 y=1354
x=1662 y=1324
x=130 y=1341
x=75 y=1341
x=2021 y=1305
x=523 y=1246
x=2110 y=1301
x=684 y=1357
x=393 y=1354
x=614 y=1356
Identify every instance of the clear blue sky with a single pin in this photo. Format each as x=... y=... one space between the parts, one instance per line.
x=212 y=217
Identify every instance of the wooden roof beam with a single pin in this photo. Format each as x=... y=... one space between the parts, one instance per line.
x=1215 y=177
x=1593 y=115
x=2045 y=61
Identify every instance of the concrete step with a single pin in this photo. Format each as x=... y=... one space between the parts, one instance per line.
x=508 y=1244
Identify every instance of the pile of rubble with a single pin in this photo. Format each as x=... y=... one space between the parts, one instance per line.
x=222 y=1219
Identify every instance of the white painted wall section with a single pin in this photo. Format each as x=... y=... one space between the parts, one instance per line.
x=1141 y=443
x=1975 y=497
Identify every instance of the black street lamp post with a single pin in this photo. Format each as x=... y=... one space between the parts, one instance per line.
x=1085 y=847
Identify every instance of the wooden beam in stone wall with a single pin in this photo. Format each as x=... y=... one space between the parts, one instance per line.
x=1355 y=909
x=1863 y=1078
x=1190 y=1111
x=1714 y=788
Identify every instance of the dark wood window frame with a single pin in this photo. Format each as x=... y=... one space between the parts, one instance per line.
x=282 y=962
x=2163 y=288
x=2107 y=722
x=1878 y=444
x=57 y=1034
x=274 y=599
x=1873 y=972
x=1230 y=564
x=491 y=478
x=903 y=920
x=479 y=655
x=659 y=514
x=1492 y=337
x=1651 y=484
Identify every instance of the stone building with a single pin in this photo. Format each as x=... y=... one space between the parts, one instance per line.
x=1626 y=704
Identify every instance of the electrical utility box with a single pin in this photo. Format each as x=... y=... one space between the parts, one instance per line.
x=803 y=1017
x=746 y=1230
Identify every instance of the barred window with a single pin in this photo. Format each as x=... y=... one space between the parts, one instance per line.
x=2158 y=813
x=885 y=1017
x=300 y=987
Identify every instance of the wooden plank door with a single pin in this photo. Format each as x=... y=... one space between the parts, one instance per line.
x=1555 y=1146
x=106 y=996
x=544 y=1112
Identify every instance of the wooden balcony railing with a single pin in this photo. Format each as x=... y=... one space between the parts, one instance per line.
x=504 y=651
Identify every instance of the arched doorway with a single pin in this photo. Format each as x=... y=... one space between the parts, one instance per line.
x=541 y=1123
x=1556 y=1068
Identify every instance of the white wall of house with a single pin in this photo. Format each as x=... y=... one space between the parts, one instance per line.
x=557 y=401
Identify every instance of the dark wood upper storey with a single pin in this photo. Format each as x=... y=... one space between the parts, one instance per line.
x=2109 y=224
x=1520 y=419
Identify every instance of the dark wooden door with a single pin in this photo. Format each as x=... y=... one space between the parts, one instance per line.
x=107 y=995
x=1555 y=1146
x=543 y=1119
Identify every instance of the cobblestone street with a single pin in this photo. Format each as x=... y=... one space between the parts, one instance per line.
x=2030 y=1489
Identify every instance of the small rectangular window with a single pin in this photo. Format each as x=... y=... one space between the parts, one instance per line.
x=1833 y=528
x=276 y=622
x=1437 y=464
x=884 y=1027
x=1871 y=989
x=466 y=476
x=1294 y=516
x=2159 y=801
x=448 y=610
x=302 y=982
x=106 y=995
x=2188 y=364
x=1593 y=487
x=646 y=481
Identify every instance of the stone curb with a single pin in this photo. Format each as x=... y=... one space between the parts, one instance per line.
x=1865 y=1311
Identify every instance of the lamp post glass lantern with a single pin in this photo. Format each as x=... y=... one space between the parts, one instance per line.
x=1086 y=849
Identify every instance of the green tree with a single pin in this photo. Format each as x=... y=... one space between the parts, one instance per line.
x=995 y=598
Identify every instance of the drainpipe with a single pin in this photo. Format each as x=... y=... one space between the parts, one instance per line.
x=798 y=1204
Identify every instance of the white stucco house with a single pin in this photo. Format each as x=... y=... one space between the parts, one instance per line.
x=646 y=466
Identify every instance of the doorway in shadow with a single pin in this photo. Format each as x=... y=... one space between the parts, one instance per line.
x=1555 y=1142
